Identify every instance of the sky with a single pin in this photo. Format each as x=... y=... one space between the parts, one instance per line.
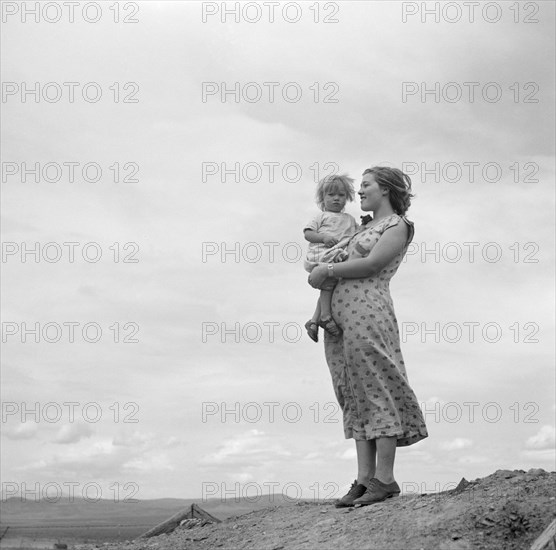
x=153 y=291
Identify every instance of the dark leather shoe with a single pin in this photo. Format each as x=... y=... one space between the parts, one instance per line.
x=357 y=490
x=377 y=492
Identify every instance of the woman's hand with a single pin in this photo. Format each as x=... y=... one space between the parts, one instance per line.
x=318 y=276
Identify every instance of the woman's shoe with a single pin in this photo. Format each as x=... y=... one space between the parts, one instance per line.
x=357 y=490
x=377 y=492
x=328 y=324
x=312 y=330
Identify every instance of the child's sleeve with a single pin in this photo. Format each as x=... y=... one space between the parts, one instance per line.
x=315 y=224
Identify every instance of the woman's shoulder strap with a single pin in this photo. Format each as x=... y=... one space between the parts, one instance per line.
x=394 y=219
x=411 y=228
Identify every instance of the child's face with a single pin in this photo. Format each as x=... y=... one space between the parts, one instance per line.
x=335 y=199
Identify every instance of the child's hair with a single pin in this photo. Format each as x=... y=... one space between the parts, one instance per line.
x=398 y=185
x=335 y=181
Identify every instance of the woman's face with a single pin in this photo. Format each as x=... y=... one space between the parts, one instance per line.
x=370 y=193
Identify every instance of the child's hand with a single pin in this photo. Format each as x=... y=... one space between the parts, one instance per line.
x=329 y=241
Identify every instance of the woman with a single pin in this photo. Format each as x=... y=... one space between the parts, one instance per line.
x=380 y=410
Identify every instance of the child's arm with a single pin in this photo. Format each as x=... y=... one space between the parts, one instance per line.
x=314 y=237
x=390 y=244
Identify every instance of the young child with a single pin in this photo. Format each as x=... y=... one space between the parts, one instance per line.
x=330 y=228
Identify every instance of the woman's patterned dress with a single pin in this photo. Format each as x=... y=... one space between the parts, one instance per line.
x=366 y=363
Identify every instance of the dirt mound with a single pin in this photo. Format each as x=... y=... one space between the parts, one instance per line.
x=506 y=510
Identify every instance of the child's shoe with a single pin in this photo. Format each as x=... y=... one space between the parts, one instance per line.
x=312 y=330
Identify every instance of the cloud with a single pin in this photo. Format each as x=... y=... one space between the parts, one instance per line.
x=473 y=459
x=72 y=433
x=28 y=430
x=348 y=454
x=148 y=463
x=88 y=290
x=243 y=477
x=545 y=438
x=251 y=448
x=456 y=444
x=133 y=440
x=103 y=458
x=98 y=458
x=173 y=441
x=543 y=457
x=313 y=455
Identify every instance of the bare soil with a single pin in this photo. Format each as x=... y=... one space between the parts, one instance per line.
x=507 y=510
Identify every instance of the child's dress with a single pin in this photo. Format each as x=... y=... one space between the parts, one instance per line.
x=339 y=225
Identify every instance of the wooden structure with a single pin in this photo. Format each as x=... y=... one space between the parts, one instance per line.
x=193 y=512
x=547 y=539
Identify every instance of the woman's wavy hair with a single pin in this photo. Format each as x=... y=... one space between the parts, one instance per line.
x=398 y=185
x=330 y=183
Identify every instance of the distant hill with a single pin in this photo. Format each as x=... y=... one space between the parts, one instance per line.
x=16 y=511
x=80 y=520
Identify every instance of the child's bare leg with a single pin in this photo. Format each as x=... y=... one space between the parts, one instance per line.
x=312 y=325
x=326 y=320
x=316 y=316
x=325 y=304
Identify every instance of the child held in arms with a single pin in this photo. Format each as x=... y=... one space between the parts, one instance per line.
x=328 y=233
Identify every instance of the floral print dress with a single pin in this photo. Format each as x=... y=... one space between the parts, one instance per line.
x=365 y=361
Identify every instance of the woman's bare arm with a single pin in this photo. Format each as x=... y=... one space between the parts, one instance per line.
x=390 y=244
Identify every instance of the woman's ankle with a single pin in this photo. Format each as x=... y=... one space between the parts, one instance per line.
x=385 y=478
x=365 y=478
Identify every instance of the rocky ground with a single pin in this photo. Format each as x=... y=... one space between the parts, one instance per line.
x=506 y=510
